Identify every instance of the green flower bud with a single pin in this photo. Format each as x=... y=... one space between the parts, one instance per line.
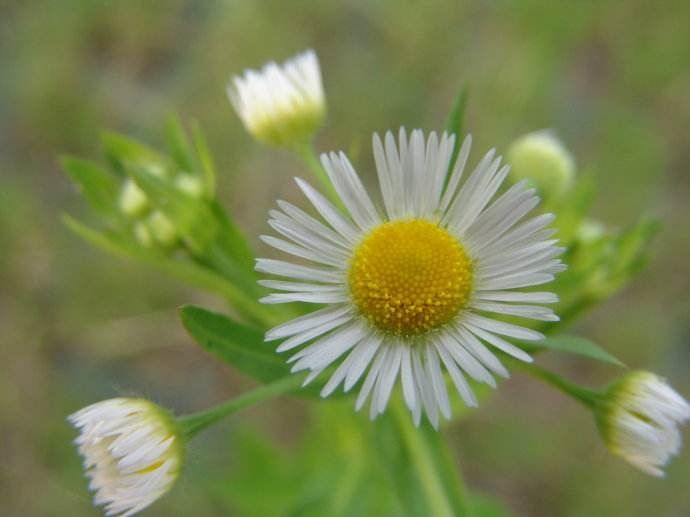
x=142 y=234
x=190 y=184
x=541 y=158
x=162 y=229
x=133 y=200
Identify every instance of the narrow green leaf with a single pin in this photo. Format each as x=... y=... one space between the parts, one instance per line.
x=99 y=187
x=577 y=345
x=454 y=122
x=121 y=150
x=243 y=347
x=208 y=167
x=239 y=345
x=187 y=272
x=179 y=145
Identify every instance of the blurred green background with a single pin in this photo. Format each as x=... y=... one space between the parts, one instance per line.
x=612 y=78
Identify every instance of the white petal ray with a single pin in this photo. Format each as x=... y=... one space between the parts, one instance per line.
x=456 y=376
x=534 y=312
x=287 y=269
x=516 y=296
x=499 y=343
x=350 y=189
x=329 y=212
x=501 y=327
x=456 y=175
x=307 y=322
x=312 y=225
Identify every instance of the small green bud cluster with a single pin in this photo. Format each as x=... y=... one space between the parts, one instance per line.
x=151 y=226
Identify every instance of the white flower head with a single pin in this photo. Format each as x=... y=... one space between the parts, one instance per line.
x=639 y=420
x=415 y=286
x=132 y=452
x=543 y=159
x=281 y=105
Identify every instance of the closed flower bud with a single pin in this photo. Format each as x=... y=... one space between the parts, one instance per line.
x=132 y=451
x=639 y=418
x=543 y=160
x=190 y=184
x=133 y=201
x=142 y=234
x=281 y=105
x=162 y=229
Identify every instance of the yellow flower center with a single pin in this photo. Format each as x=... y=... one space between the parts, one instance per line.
x=410 y=276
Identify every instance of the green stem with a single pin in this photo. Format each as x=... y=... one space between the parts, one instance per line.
x=308 y=155
x=586 y=396
x=422 y=457
x=197 y=422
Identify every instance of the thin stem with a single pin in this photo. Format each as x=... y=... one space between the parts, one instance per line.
x=586 y=396
x=423 y=459
x=197 y=422
x=308 y=155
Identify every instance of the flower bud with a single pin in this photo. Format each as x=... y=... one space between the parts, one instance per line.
x=190 y=184
x=162 y=229
x=541 y=158
x=133 y=201
x=133 y=452
x=639 y=418
x=281 y=105
x=142 y=234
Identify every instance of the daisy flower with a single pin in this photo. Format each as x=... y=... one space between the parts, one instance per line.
x=418 y=285
x=281 y=105
x=132 y=452
x=639 y=420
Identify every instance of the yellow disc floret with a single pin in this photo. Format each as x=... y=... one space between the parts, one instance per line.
x=410 y=276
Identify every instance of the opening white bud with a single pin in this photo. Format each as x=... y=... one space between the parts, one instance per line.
x=542 y=159
x=639 y=419
x=281 y=105
x=133 y=452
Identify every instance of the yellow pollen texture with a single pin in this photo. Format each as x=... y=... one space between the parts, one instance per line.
x=410 y=276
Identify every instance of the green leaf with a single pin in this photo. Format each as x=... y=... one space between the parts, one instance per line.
x=454 y=122
x=184 y=271
x=240 y=345
x=208 y=167
x=121 y=150
x=99 y=187
x=179 y=146
x=577 y=345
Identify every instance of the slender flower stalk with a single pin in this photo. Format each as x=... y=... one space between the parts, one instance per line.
x=133 y=452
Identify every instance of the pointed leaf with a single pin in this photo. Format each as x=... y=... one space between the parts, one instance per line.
x=577 y=345
x=99 y=187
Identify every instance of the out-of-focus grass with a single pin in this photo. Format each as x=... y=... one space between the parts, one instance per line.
x=611 y=78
